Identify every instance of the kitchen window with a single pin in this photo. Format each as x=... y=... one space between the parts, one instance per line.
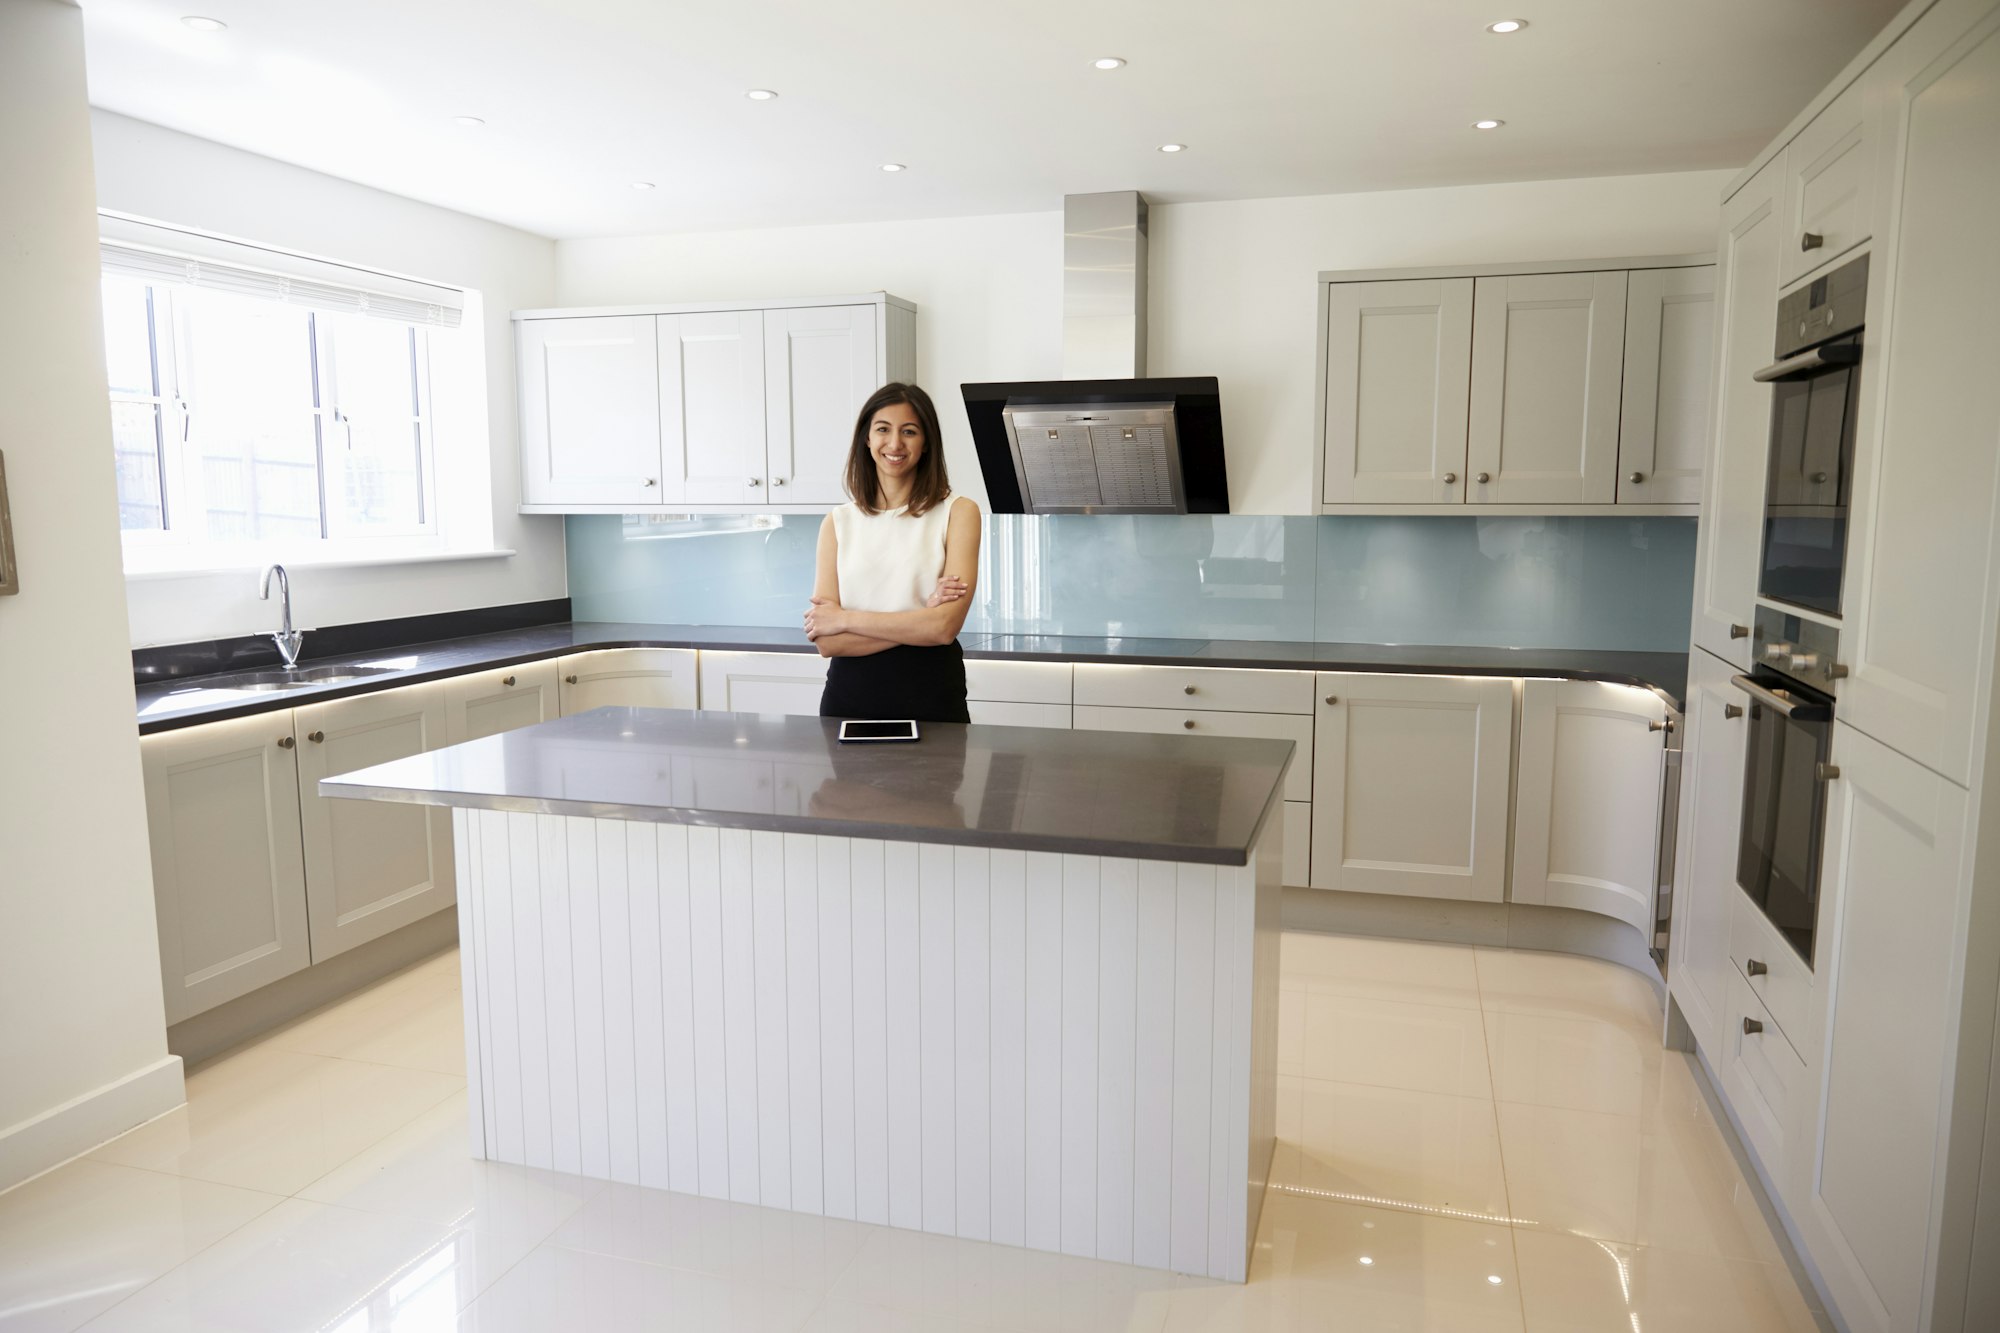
x=258 y=411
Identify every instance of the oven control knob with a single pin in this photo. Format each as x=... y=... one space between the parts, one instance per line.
x=1801 y=662
x=1777 y=651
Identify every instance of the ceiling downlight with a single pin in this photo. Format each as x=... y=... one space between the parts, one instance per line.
x=1173 y=148
x=1487 y=124
x=894 y=166
x=761 y=95
x=1109 y=62
x=1505 y=26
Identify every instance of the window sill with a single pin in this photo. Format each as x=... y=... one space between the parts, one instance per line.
x=308 y=562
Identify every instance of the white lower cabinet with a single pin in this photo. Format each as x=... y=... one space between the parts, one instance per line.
x=762 y=682
x=1008 y=713
x=1586 y=805
x=1764 y=1078
x=371 y=866
x=1410 y=784
x=1018 y=694
x=486 y=703
x=222 y=813
x=628 y=678
x=1705 y=893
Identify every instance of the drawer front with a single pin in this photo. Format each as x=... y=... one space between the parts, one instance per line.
x=1017 y=682
x=1782 y=981
x=1831 y=185
x=1221 y=689
x=1764 y=1079
x=1002 y=713
x=1165 y=722
x=1298 y=843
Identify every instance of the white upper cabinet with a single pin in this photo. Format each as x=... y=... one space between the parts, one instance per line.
x=1669 y=370
x=681 y=409
x=590 y=411
x=819 y=367
x=1547 y=358
x=1829 y=185
x=1396 y=359
x=712 y=431
x=1728 y=546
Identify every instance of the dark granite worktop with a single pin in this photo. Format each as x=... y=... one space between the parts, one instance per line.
x=1198 y=799
x=185 y=701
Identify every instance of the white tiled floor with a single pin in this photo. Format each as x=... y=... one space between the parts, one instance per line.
x=1469 y=1140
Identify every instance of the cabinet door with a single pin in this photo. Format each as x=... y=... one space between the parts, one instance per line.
x=711 y=407
x=1889 y=953
x=1705 y=892
x=1291 y=727
x=820 y=365
x=1587 y=802
x=762 y=682
x=1669 y=369
x=1829 y=185
x=1397 y=358
x=1919 y=629
x=1730 y=541
x=222 y=815
x=1547 y=358
x=628 y=678
x=1410 y=784
x=371 y=866
x=590 y=411
x=1005 y=713
x=488 y=702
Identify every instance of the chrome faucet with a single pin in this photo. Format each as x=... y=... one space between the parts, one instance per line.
x=287 y=639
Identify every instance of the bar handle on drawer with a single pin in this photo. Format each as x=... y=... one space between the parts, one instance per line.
x=1751 y=1027
x=1754 y=968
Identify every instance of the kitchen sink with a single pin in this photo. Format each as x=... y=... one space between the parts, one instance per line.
x=258 y=682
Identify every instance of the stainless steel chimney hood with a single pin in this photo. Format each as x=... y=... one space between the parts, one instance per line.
x=1106 y=440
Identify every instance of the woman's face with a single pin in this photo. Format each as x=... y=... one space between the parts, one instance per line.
x=895 y=440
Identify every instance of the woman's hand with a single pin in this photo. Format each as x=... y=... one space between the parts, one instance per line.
x=824 y=616
x=949 y=589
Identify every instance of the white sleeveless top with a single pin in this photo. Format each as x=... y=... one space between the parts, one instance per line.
x=889 y=561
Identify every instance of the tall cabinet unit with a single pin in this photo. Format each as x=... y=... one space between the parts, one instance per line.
x=701 y=409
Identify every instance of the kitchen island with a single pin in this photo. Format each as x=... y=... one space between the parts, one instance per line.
x=1006 y=983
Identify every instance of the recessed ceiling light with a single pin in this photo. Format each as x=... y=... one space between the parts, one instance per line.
x=1366 y=1260
x=1507 y=25
x=760 y=95
x=200 y=24
x=1172 y=147
x=894 y=166
x=1494 y=1278
x=1107 y=62
x=642 y=185
x=1487 y=124
x=469 y=122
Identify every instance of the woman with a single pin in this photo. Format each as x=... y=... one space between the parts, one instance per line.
x=896 y=567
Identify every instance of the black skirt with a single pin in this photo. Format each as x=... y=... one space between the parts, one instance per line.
x=927 y=684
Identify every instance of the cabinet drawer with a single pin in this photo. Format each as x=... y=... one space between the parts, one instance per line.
x=1783 y=982
x=1763 y=1078
x=628 y=678
x=1298 y=843
x=1017 y=682
x=1165 y=722
x=1112 y=685
x=1006 y=713
x=1829 y=186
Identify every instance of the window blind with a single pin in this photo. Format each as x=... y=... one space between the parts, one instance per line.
x=157 y=254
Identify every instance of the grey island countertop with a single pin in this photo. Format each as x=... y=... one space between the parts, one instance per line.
x=1199 y=799
x=167 y=704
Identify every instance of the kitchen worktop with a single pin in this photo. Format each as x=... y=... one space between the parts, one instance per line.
x=168 y=704
x=1200 y=799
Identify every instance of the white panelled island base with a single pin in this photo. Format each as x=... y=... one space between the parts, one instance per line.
x=1065 y=1050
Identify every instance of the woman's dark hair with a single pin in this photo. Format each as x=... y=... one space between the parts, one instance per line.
x=929 y=484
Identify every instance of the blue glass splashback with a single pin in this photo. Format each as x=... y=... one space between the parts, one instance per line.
x=1543 y=582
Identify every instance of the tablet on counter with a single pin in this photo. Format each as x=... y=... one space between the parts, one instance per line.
x=852 y=730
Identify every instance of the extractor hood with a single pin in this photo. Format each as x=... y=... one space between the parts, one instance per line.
x=1107 y=440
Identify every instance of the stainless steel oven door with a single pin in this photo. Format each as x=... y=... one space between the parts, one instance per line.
x=1809 y=479
x=1784 y=803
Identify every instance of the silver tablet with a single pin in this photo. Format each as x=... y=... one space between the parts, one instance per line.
x=853 y=730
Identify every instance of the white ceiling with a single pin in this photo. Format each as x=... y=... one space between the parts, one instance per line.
x=994 y=107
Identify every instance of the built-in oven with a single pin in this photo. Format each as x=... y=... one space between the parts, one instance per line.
x=1786 y=770
x=1811 y=466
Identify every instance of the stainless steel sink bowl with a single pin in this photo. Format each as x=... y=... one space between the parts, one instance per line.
x=258 y=682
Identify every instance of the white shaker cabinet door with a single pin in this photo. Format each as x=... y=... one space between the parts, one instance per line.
x=711 y=407
x=1829 y=184
x=1587 y=802
x=1729 y=543
x=820 y=365
x=222 y=815
x=628 y=678
x=1410 y=782
x=590 y=411
x=1396 y=364
x=762 y=682
x=486 y=703
x=1713 y=750
x=1669 y=369
x=1547 y=359
x=371 y=866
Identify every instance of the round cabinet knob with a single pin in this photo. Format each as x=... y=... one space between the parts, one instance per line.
x=1811 y=240
x=1732 y=710
x=1189 y=724
x=286 y=742
x=507 y=680
x=1450 y=478
x=1739 y=631
x=1826 y=772
x=1819 y=478
x=1482 y=478
x=316 y=737
x=756 y=481
x=1754 y=968
x=1636 y=478
x=1656 y=726
x=1751 y=1027
x=1332 y=699
x=650 y=481
x=1187 y=689
x=777 y=481
x=571 y=680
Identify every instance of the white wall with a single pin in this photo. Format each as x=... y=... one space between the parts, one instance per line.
x=1232 y=286
x=165 y=176
x=83 y=1046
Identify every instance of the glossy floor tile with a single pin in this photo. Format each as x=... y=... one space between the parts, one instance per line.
x=1469 y=1140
